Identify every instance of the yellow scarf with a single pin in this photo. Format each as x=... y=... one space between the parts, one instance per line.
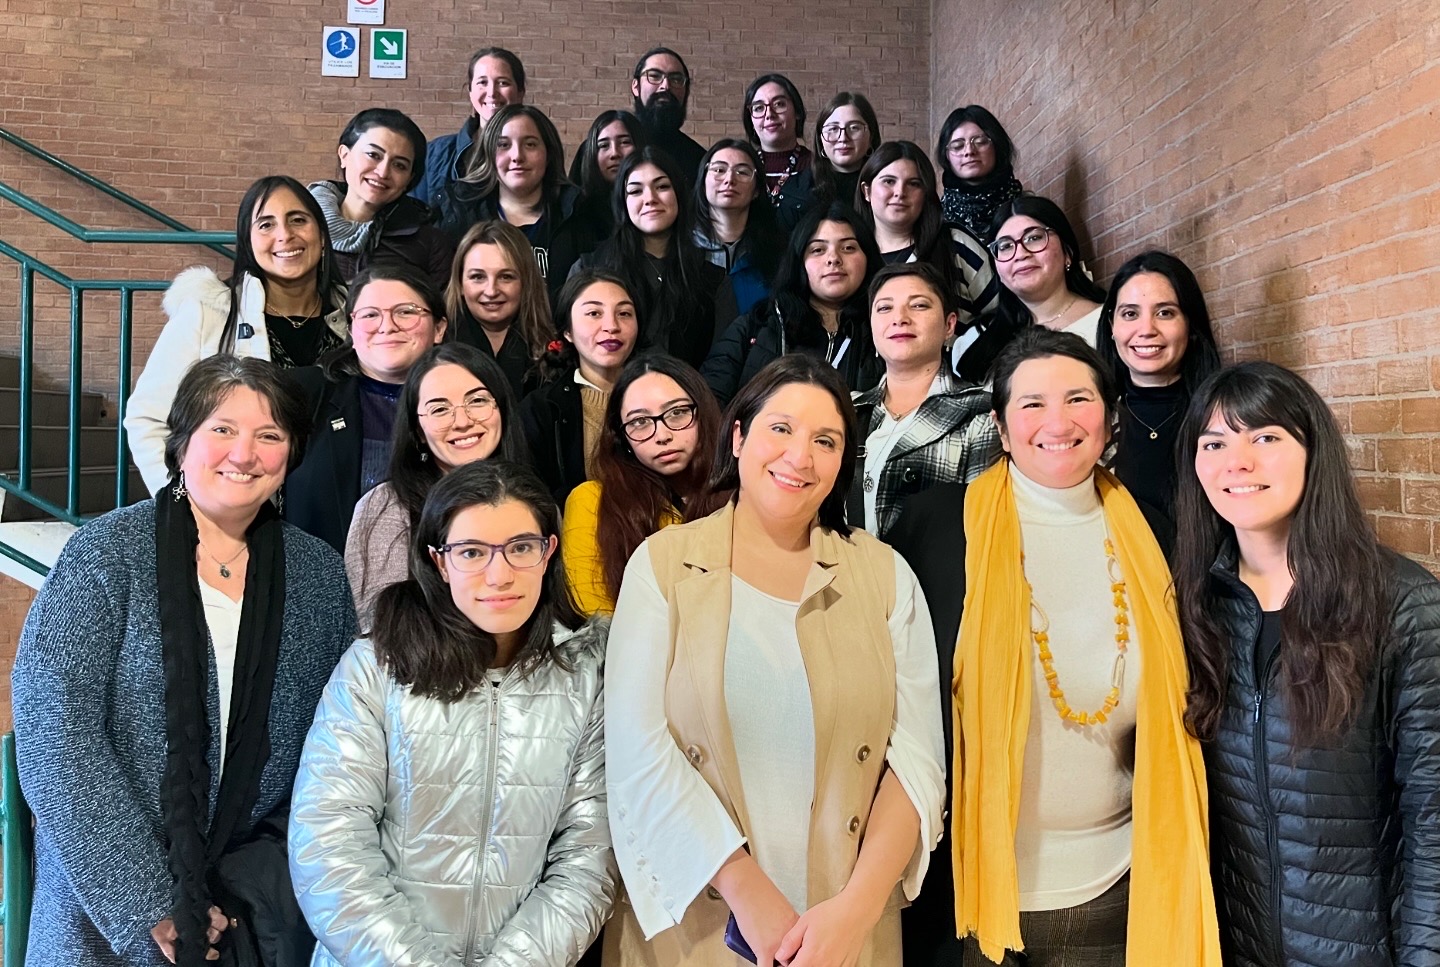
x=1172 y=908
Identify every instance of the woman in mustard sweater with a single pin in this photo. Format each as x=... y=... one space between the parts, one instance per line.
x=660 y=429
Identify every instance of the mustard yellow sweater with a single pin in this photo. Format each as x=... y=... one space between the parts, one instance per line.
x=580 y=548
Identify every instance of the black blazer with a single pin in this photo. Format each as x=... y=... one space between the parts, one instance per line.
x=930 y=536
x=555 y=430
x=320 y=494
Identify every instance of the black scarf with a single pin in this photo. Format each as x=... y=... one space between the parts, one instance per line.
x=196 y=843
x=973 y=206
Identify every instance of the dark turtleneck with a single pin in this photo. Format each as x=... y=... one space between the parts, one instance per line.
x=1148 y=467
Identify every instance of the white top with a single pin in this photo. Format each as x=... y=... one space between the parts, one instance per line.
x=1072 y=842
x=670 y=832
x=767 y=696
x=222 y=616
x=1086 y=326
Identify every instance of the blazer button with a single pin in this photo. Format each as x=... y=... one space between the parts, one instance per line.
x=854 y=825
x=695 y=756
x=862 y=753
x=910 y=475
x=713 y=893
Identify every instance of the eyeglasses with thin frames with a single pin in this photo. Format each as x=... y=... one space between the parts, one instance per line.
x=741 y=173
x=642 y=428
x=1034 y=241
x=470 y=557
x=978 y=143
x=476 y=407
x=407 y=315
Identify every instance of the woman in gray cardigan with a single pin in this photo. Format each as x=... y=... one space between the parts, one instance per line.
x=172 y=636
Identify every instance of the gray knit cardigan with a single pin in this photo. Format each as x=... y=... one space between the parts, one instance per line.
x=88 y=693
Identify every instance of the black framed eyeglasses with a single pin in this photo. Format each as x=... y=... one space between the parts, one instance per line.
x=655 y=77
x=758 y=109
x=1034 y=241
x=831 y=133
x=521 y=553
x=641 y=428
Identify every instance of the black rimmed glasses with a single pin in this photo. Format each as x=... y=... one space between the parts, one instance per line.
x=407 y=315
x=678 y=417
x=476 y=407
x=831 y=133
x=1034 y=241
x=521 y=553
x=655 y=77
x=758 y=109
x=978 y=143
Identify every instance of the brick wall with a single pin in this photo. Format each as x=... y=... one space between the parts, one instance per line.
x=1285 y=150
x=182 y=103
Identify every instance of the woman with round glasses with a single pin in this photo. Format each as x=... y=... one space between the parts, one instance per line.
x=450 y=803
x=735 y=225
x=977 y=166
x=1043 y=282
x=774 y=119
x=283 y=302
x=395 y=316
x=652 y=462
x=455 y=408
x=846 y=132
x=494 y=78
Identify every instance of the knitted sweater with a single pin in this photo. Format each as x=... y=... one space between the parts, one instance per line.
x=89 y=703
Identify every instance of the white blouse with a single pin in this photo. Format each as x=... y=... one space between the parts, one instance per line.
x=222 y=617
x=671 y=834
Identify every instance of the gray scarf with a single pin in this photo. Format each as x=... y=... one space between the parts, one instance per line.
x=345 y=236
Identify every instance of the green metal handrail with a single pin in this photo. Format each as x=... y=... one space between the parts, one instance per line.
x=17 y=856
x=30 y=266
x=211 y=240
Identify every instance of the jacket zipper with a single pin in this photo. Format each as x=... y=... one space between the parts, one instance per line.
x=1272 y=832
x=477 y=884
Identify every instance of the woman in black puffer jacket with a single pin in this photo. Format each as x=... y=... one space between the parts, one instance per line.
x=1315 y=678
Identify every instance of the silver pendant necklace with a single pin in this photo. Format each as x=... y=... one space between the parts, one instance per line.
x=224 y=565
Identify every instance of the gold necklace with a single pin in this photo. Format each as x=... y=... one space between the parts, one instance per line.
x=296 y=321
x=1122 y=640
x=1154 y=430
x=1046 y=322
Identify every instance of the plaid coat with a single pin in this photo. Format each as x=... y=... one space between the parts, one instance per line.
x=952 y=440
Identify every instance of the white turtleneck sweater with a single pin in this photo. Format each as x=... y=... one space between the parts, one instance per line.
x=1072 y=842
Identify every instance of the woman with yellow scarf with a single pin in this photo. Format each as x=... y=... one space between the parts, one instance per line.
x=1079 y=831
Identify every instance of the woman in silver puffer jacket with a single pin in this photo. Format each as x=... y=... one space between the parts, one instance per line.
x=450 y=805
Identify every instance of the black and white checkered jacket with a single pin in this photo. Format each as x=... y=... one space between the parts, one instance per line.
x=952 y=440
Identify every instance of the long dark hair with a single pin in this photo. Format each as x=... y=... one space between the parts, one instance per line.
x=1012 y=314
x=1201 y=358
x=1335 y=618
x=677 y=302
x=633 y=497
x=1005 y=155
x=747 y=404
x=561 y=356
x=762 y=236
x=327 y=273
x=790 y=295
x=824 y=171
x=585 y=166
x=421 y=637
x=343 y=361
x=929 y=235
x=796 y=101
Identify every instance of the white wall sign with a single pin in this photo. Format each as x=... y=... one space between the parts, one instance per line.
x=366 y=12
x=387 y=53
x=340 y=54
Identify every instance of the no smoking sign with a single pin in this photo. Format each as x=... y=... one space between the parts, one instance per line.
x=366 y=11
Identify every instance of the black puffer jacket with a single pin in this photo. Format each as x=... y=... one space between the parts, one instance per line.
x=1329 y=856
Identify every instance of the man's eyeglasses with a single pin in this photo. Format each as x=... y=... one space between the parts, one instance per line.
x=477 y=408
x=642 y=428
x=741 y=172
x=977 y=143
x=831 y=133
x=520 y=553
x=407 y=315
x=758 y=109
x=1033 y=239
x=655 y=78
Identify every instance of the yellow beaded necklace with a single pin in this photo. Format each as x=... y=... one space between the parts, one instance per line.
x=1122 y=640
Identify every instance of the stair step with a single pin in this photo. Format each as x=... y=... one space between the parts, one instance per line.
x=9 y=370
x=49 y=407
x=97 y=492
x=50 y=447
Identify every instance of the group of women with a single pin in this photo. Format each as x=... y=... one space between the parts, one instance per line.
x=943 y=608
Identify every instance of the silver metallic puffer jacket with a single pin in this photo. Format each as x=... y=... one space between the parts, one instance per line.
x=429 y=834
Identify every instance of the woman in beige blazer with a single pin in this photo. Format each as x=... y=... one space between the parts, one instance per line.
x=772 y=728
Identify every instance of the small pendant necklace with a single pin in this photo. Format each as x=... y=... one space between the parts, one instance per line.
x=224 y=565
x=296 y=321
x=1154 y=430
